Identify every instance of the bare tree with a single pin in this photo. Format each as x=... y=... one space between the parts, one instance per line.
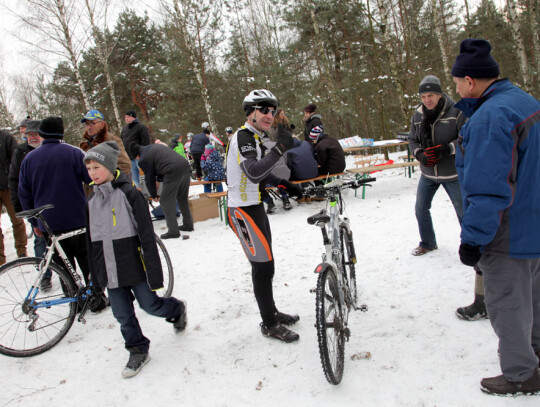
x=103 y=49
x=198 y=26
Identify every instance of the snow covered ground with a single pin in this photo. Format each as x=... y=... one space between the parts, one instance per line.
x=420 y=353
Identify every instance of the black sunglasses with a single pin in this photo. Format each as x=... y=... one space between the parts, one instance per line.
x=266 y=109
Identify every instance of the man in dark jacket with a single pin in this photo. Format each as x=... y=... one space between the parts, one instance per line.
x=33 y=141
x=197 y=146
x=7 y=148
x=434 y=131
x=311 y=120
x=160 y=163
x=301 y=161
x=54 y=174
x=328 y=152
x=134 y=135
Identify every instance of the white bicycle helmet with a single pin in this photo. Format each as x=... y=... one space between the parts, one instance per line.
x=190 y=136
x=258 y=96
x=205 y=125
x=229 y=130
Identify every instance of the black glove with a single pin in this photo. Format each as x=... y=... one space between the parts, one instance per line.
x=427 y=161
x=292 y=189
x=284 y=140
x=469 y=255
x=440 y=151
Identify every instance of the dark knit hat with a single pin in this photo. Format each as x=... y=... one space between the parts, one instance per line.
x=310 y=108
x=475 y=60
x=32 y=126
x=430 y=84
x=51 y=127
x=105 y=153
x=131 y=113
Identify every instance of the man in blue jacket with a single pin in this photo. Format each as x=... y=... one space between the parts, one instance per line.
x=499 y=172
x=54 y=174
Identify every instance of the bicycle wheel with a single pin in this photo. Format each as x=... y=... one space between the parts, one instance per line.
x=27 y=331
x=348 y=260
x=168 y=273
x=330 y=326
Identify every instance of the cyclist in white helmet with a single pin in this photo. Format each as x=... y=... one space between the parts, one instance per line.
x=248 y=171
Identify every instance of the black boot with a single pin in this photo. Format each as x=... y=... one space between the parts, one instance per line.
x=475 y=311
x=271 y=207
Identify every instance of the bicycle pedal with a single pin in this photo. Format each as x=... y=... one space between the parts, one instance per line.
x=363 y=308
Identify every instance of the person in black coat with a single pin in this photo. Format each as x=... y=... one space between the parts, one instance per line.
x=329 y=153
x=134 y=135
x=7 y=148
x=198 y=145
x=160 y=163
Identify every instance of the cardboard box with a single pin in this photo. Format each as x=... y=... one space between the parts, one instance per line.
x=203 y=208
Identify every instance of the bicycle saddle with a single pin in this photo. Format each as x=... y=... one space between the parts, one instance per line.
x=322 y=216
x=32 y=213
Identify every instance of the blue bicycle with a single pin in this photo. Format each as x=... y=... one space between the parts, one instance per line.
x=34 y=318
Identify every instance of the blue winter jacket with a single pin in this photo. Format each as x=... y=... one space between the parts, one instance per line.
x=498 y=166
x=301 y=160
x=54 y=174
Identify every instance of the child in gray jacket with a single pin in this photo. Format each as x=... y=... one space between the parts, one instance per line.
x=123 y=254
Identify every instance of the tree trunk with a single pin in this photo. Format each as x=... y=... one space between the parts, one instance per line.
x=387 y=44
x=520 y=46
x=103 y=57
x=441 y=33
x=195 y=58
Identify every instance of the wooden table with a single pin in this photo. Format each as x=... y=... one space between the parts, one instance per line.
x=381 y=145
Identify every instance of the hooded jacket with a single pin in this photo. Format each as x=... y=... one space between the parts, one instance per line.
x=122 y=249
x=498 y=163
x=329 y=155
x=301 y=161
x=198 y=143
x=444 y=130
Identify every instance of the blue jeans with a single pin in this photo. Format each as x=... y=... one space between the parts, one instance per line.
x=424 y=196
x=216 y=187
x=135 y=172
x=122 y=306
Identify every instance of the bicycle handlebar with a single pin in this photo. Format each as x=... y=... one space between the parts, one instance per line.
x=324 y=190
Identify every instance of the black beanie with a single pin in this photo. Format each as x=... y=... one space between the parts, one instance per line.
x=310 y=108
x=51 y=127
x=131 y=113
x=475 y=60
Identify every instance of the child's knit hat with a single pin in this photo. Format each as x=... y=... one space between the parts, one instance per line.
x=105 y=153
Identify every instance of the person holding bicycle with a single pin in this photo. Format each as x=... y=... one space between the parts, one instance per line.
x=123 y=253
x=248 y=172
x=54 y=174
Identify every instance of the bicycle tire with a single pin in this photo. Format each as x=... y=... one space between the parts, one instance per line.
x=53 y=323
x=168 y=272
x=348 y=260
x=330 y=326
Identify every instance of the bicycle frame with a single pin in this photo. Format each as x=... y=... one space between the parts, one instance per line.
x=332 y=254
x=44 y=265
